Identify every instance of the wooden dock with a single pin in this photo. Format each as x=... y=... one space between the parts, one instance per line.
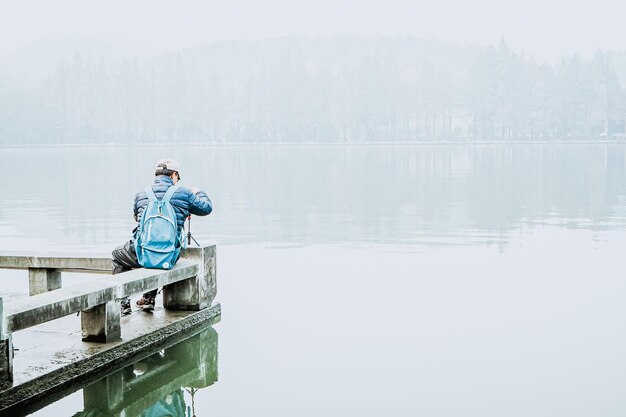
x=57 y=348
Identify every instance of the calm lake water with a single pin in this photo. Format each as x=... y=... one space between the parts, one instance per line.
x=434 y=280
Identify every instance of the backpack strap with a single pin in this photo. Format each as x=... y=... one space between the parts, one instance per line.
x=150 y=193
x=168 y=194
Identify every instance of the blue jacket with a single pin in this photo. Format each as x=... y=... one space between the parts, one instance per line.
x=183 y=201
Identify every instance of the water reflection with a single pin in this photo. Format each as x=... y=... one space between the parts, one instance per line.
x=443 y=194
x=163 y=384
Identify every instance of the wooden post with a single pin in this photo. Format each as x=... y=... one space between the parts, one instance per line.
x=6 y=352
x=42 y=280
x=195 y=293
x=101 y=323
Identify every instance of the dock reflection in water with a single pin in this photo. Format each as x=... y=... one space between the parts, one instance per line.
x=156 y=385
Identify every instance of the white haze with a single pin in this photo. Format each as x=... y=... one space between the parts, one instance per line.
x=545 y=29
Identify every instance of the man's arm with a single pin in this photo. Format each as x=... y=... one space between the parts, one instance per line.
x=135 y=213
x=199 y=202
x=140 y=198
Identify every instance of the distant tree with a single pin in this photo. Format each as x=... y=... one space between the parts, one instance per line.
x=342 y=89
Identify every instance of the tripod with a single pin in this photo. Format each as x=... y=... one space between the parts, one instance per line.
x=189 y=237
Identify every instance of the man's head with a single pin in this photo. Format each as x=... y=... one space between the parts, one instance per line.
x=169 y=167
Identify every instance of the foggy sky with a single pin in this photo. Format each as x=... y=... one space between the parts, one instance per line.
x=545 y=29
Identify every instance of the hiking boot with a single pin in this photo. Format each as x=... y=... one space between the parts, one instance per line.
x=146 y=304
x=125 y=305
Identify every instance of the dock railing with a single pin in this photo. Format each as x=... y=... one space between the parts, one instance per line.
x=190 y=285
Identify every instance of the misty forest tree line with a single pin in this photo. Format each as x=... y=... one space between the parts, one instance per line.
x=341 y=89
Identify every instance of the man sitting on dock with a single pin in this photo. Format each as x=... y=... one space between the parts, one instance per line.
x=185 y=201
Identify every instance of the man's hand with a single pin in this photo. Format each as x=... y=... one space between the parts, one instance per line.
x=195 y=190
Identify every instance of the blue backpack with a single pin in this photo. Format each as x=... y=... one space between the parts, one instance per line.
x=158 y=242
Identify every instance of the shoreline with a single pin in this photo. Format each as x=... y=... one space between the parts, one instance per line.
x=318 y=144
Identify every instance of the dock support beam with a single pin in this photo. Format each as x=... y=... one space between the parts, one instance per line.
x=106 y=394
x=200 y=353
x=42 y=280
x=101 y=323
x=6 y=352
x=195 y=293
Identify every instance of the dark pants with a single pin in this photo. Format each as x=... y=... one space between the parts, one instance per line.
x=125 y=259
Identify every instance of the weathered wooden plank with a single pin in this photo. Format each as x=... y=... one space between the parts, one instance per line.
x=27 y=312
x=51 y=305
x=142 y=280
x=55 y=260
x=66 y=261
